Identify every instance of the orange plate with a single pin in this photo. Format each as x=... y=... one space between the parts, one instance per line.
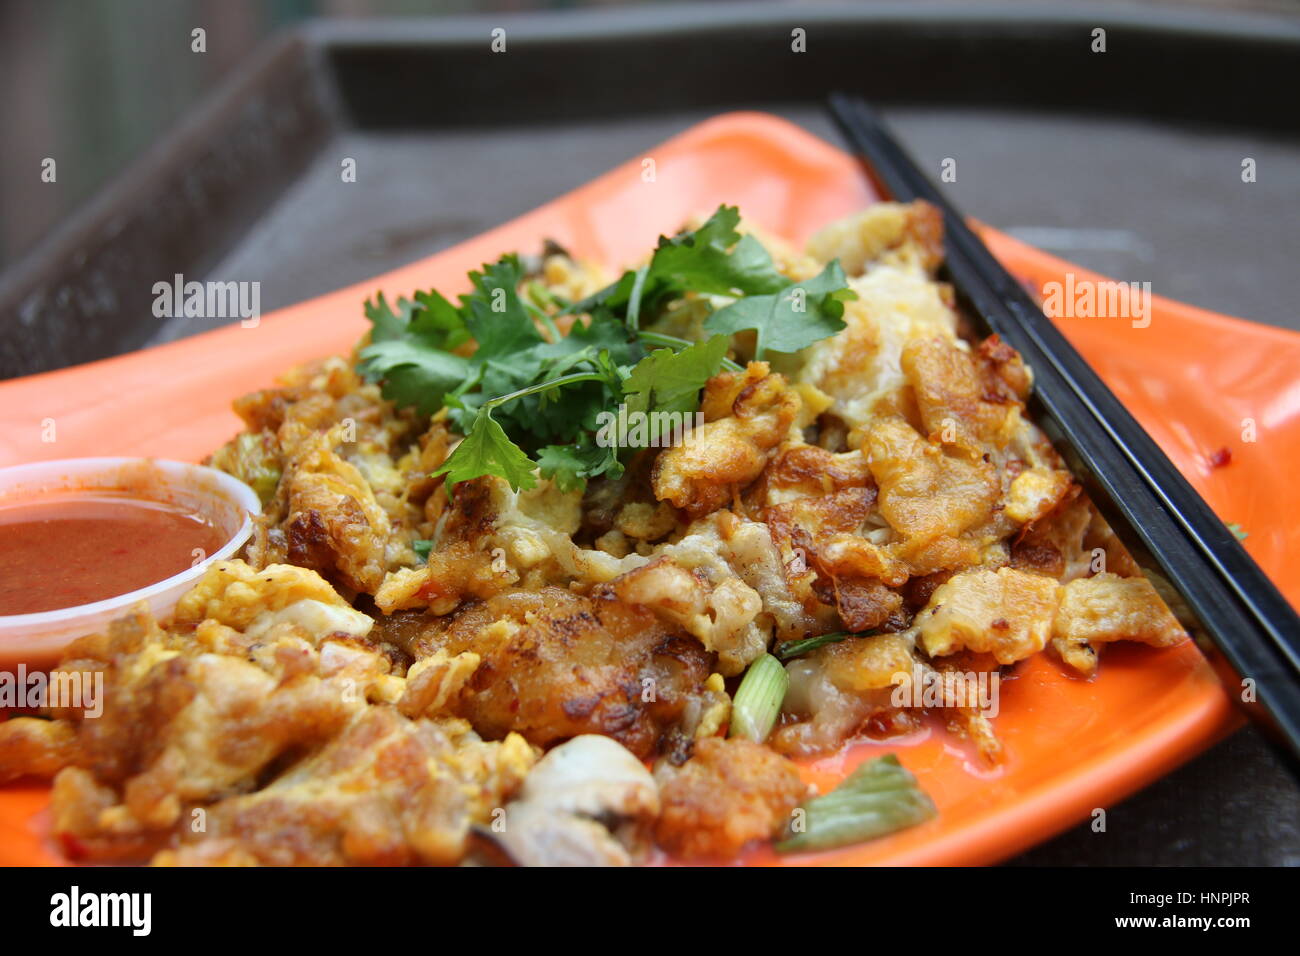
x=1191 y=378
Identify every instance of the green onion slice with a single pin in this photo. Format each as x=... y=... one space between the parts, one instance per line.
x=878 y=798
x=758 y=699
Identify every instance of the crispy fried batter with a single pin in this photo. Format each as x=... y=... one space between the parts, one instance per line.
x=724 y=583
x=1107 y=608
x=1006 y=613
x=335 y=524
x=340 y=505
x=925 y=494
x=387 y=791
x=196 y=725
x=719 y=616
x=30 y=746
x=958 y=405
x=187 y=725
x=554 y=664
x=802 y=472
x=746 y=415
x=234 y=594
x=885 y=232
x=730 y=793
x=1054 y=544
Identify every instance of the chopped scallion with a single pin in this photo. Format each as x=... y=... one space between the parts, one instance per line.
x=758 y=699
x=878 y=798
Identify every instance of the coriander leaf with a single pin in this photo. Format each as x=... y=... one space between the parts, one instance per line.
x=429 y=318
x=610 y=299
x=414 y=374
x=606 y=333
x=562 y=402
x=713 y=260
x=671 y=381
x=386 y=323
x=716 y=260
x=494 y=314
x=436 y=322
x=560 y=416
x=584 y=343
x=792 y=319
x=526 y=389
x=569 y=466
x=487 y=451
x=410 y=350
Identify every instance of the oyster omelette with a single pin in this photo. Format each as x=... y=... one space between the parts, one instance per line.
x=576 y=571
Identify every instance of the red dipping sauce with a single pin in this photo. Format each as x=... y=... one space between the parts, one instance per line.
x=77 y=548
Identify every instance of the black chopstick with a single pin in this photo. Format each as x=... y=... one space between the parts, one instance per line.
x=1240 y=620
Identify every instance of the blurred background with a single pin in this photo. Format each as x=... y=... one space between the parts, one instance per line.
x=95 y=81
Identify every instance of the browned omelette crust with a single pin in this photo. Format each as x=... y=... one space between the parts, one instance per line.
x=555 y=664
x=746 y=415
x=320 y=431
x=730 y=793
x=219 y=748
x=382 y=793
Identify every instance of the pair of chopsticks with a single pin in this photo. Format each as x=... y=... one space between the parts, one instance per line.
x=1249 y=632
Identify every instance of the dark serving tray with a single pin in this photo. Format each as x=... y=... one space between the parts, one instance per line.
x=1127 y=161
